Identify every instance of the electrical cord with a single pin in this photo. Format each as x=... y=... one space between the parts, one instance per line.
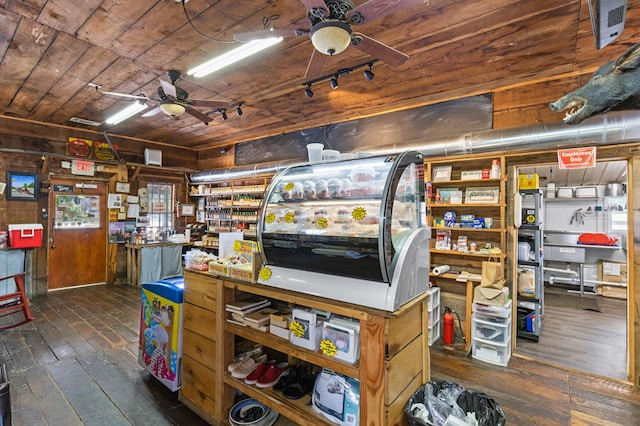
x=266 y=22
x=464 y=339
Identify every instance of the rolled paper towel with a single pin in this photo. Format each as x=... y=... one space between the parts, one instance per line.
x=439 y=270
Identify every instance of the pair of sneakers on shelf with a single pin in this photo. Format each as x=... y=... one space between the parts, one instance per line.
x=254 y=367
x=267 y=373
x=245 y=361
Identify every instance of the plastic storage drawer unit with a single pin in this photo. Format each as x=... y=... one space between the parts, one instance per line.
x=493 y=354
x=488 y=329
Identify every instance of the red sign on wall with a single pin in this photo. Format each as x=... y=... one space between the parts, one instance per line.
x=577 y=158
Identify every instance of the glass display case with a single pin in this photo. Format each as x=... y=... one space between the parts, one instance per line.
x=346 y=222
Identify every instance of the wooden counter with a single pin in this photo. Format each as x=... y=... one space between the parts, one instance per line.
x=394 y=353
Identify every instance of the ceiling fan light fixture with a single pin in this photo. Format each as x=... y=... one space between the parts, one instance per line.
x=233 y=56
x=330 y=37
x=131 y=110
x=172 y=110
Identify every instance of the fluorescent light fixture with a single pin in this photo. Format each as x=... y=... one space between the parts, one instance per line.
x=233 y=56
x=127 y=112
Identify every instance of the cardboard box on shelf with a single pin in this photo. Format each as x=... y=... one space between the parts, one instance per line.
x=529 y=181
x=615 y=292
x=615 y=272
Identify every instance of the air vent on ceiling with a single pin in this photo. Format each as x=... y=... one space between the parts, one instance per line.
x=607 y=20
x=83 y=121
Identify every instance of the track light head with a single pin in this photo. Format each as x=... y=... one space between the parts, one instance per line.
x=238 y=110
x=308 y=92
x=334 y=82
x=368 y=74
x=223 y=114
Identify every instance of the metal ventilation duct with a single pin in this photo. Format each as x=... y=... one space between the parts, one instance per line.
x=606 y=129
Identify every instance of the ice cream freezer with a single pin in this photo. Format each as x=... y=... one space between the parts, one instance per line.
x=160 y=345
x=348 y=230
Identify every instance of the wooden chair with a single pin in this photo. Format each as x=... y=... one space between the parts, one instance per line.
x=16 y=302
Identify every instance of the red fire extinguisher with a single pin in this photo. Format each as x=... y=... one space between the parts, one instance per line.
x=448 y=326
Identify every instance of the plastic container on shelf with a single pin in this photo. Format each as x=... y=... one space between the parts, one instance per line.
x=314 y=151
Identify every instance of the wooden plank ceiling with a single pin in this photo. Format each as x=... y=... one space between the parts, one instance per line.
x=51 y=49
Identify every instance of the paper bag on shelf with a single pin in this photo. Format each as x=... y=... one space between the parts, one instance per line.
x=491 y=296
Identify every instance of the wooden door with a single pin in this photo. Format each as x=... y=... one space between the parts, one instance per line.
x=77 y=251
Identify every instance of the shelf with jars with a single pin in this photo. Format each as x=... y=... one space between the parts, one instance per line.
x=229 y=206
x=466 y=209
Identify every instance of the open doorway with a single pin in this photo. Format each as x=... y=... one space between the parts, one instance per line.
x=585 y=236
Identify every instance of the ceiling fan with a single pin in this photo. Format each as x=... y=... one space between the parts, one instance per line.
x=174 y=101
x=331 y=32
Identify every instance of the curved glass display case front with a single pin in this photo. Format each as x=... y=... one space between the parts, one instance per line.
x=346 y=218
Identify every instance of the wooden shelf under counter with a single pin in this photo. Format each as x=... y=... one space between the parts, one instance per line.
x=394 y=353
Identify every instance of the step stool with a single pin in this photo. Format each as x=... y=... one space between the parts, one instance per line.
x=16 y=302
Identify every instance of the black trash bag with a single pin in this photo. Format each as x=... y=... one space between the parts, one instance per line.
x=434 y=402
x=488 y=411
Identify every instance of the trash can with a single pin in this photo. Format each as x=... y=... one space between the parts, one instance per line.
x=5 y=397
x=447 y=403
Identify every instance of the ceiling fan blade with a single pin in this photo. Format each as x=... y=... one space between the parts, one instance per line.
x=169 y=89
x=316 y=7
x=258 y=35
x=152 y=112
x=197 y=114
x=316 y=64
x=378 y=50
x=375 y=9
x=210 y=104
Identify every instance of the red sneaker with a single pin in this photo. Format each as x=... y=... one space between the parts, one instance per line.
x=252 y=378
x=272 y=375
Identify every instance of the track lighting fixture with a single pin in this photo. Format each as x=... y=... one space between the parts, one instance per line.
x=368 y=74
x=333 y=78
x=223 y=111
x=308 y=91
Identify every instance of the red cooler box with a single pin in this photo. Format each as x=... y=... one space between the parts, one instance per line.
x=25 y=235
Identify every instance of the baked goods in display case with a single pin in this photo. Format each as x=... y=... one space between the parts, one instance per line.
x=347 y=218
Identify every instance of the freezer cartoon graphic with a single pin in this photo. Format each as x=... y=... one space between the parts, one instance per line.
x=159 y=348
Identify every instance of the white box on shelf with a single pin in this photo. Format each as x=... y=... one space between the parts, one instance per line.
x=493 y=354
x=305 y=331
x=279 y=331
x=345 y=338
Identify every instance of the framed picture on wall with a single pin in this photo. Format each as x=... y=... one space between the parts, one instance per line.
x=22 y=186
x=188 y=210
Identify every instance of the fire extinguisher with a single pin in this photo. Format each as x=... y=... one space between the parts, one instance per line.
x=448 y=326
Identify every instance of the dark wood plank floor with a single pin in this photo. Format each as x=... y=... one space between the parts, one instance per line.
x=76 y=364
x=582 y=339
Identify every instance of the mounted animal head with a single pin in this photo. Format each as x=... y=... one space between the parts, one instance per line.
x=614 y=86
